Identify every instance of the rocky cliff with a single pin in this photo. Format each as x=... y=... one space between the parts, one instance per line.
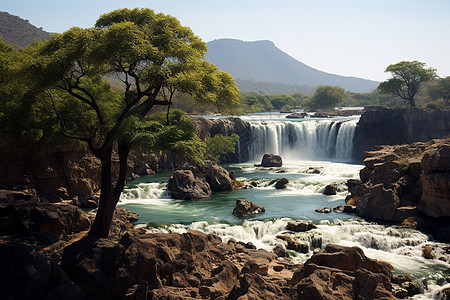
x=395 y=126
x=405 y=181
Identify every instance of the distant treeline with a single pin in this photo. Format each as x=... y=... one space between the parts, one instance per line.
x=330 y=97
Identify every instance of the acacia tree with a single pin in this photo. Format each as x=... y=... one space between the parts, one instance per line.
x=153 y=56
x=407 y=76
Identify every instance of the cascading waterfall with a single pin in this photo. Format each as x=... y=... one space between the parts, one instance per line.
x=311 y=139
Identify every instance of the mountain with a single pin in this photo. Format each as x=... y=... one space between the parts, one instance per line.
x=262 y=61
x=19 y=32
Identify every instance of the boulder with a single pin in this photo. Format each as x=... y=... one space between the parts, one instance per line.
x=218 y=178
x=325 y=210
x=25 y=217
x=271 y=160
x=281 y=183
x=380 y=203
x=184 y=185
x=300 y=225
x=330 y=189
x=245 y=208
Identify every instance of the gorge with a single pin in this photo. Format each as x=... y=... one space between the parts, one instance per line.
x=316 y=152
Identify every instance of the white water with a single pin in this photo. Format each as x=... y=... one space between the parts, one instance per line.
x=400 y=247
x=309 y=139
x=302 y=144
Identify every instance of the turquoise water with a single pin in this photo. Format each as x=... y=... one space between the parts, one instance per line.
x=402 y=248
x=303 y=195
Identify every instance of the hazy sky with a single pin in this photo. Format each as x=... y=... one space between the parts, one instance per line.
x=351 y=37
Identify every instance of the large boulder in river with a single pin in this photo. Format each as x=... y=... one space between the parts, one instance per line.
x=218 y=178
x=245 y=208
x=271 y=160
x=184 y=185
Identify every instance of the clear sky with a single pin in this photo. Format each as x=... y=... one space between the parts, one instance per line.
x=347 y=37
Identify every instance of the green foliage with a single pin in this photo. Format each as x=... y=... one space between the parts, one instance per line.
x=327 y=96
x=441 y=90
x=220 y=145
x=407 y=76
x=403 y=167
x=20 y=33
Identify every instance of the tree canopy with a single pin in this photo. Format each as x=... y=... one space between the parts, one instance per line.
x=407 y=76
x=327 y=96
x=153 y=56
x=441 y=89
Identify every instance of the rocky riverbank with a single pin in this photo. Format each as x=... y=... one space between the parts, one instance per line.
x=45 y=254
x=406 y=183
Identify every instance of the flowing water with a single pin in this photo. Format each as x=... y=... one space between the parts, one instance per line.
x=324 y=145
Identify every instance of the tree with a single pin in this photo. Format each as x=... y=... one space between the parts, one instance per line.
x=153 y=56
x=407 y=76
x=327 y=96
x=442 y=89
x=220 y=145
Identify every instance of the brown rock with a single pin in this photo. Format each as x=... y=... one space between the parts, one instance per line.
x=343 y=273
x=330 y=189
x=325 y=210
x=300 y=225
x=381 y=203
x=245 y=208
x=184 y=185
x=281 y=183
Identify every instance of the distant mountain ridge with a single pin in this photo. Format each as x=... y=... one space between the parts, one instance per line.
x=262 y=61
x=19 y=32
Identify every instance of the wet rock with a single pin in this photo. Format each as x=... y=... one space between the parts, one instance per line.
x=271 y=160
x=330 y=189
x=325 y=210
x=300 y=225
x=280 y=251
x=281 y=183
x=339 y=209
x=297 y=115
x=245 y=208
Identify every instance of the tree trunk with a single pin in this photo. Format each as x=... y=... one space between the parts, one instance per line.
x=109 y=197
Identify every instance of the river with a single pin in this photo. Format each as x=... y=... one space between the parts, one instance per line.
x=321 y=144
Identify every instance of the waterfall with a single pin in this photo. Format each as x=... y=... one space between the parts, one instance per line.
x=309 y=139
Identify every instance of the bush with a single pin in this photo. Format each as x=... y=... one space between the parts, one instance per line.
x=220 y=145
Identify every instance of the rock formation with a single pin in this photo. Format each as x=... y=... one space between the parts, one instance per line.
x=395 y=126
x=197 y=182
x=404 y=181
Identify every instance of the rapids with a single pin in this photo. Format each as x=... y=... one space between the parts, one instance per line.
x=323 y=144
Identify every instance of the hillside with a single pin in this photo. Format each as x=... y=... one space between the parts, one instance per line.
x=262 y=61
x=19 y=32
